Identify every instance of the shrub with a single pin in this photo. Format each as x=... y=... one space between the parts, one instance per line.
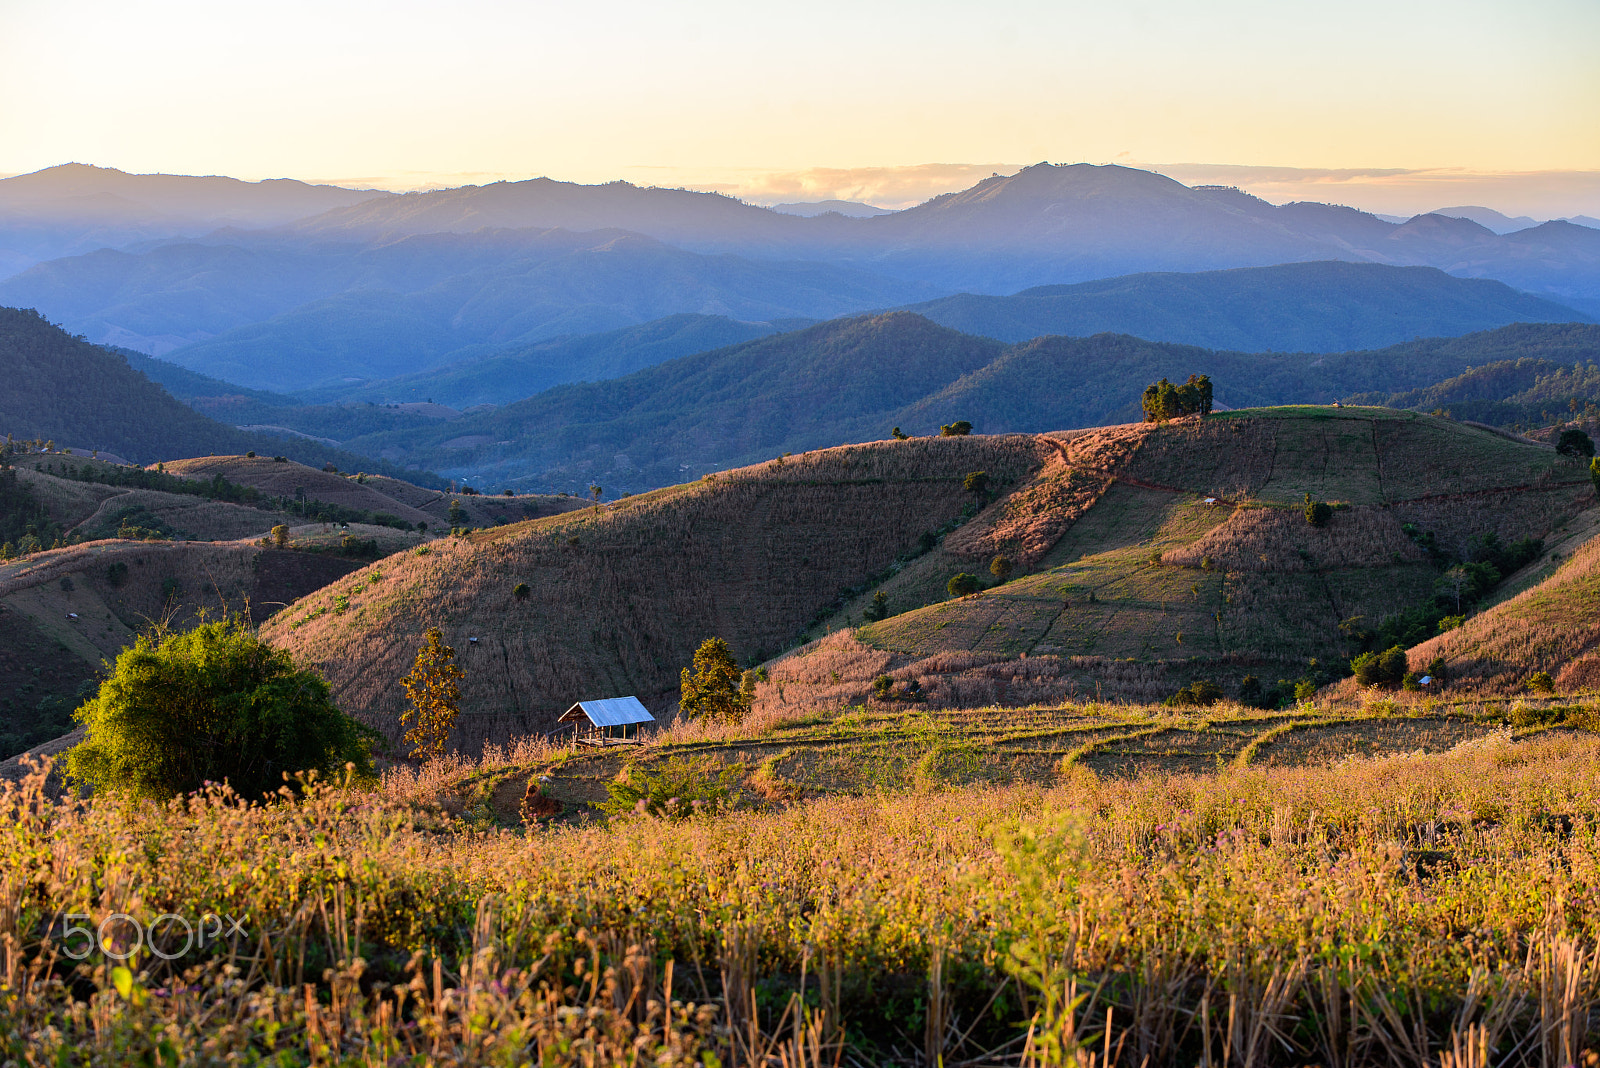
x=1318 y=513
x=1305 y=690
x=280 y=459
x=900 y=435
x=1541 y=682
x=976 y=482
x=1594 y=472
x=675 y=789
x=883 y=687
x=958 y=429
x=1379 y=669
x=214 y=704
x=712 y=690
x=962 y=584
x=433 y=696
x=251 y=455
x=280 y=536
x=1198 y=694
x=521 y=591
x=879 y=608
x=507 y=492
x=1451 y=623
x=1575 y=443
x=117 y=574
x=1000 y=567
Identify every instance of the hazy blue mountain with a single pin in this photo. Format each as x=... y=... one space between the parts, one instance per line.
x=1327 y=306
x=1044 y=225
x=287 y=318
x=76 y=208
x=851 y=209
x=1488 y=218
x=61 y=388
x=855 y=379
x=504 y=375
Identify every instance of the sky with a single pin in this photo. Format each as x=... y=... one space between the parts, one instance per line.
x=1387 y=105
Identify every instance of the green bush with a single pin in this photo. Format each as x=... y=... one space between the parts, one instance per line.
x=1541 y=682
x=1197 y=694
x=214 y=704
x=1380 y=669
x=962 y=584
x=675 y=789
x=1001 y=567
x=1575 y=443
x=521 y=591
x=1318 y=513
x=976 y=482
x=958 y=429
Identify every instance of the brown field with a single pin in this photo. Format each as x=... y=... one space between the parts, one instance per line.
x=622 y=594
x=1137 y=585
x=290 y=479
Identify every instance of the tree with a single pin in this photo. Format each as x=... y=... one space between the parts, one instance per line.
x=900 y=435
x=1162 y=400
x=1318 y=513
x=879 y=609
x=280 y=536
x=712 y=690
x=456 y=514
x=1376 y=669
x=1594 y=473
x=212 y=704
x=976 y=482
x=1575 y=443
x=962 y=584
x=958 y=429
x=433 y=696
x=1000 y=567
x=594 y=493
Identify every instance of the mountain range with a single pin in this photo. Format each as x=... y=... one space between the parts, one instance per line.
x=298 y=285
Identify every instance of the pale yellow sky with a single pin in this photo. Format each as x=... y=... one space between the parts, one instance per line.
x=820 y=99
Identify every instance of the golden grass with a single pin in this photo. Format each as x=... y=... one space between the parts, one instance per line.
x=1378 y=912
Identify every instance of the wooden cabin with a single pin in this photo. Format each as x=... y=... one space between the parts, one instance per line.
x=612 y=721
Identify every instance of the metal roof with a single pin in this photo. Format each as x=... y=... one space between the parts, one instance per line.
x=611 y=712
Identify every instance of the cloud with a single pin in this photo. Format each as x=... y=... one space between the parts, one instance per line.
x=886 y=187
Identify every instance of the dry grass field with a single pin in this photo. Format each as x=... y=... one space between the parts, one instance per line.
x=1152 y=586
x=293 y=480
x=872 y=892
x=1129 y=583
x=620 y=595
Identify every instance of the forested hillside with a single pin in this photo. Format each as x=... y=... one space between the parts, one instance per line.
x=60 y=388
x=857 y=379
x=1326 y=306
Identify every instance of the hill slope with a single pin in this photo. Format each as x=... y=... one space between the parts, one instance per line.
x=1325 y=306
x=1119 y=557
x=621 y=595
x=1553 y=625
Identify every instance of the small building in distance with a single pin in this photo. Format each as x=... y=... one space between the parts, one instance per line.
x=612 y=721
